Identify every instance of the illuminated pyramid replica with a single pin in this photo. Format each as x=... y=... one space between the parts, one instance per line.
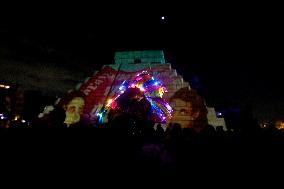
x=105 y=83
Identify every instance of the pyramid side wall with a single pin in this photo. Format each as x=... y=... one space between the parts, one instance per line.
x=97 y=88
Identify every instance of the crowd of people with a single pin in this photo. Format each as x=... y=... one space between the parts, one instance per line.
x=129 y=139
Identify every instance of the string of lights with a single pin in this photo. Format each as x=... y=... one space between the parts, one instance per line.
x=152 y=90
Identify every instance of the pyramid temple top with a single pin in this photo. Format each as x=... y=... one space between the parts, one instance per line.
x=140 y=57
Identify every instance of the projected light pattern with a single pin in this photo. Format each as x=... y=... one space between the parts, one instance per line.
x=153 y=91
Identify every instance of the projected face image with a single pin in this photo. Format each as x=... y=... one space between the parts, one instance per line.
x=74 y=110
x=189 y=109
x=182 y=113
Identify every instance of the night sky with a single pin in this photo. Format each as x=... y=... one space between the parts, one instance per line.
x=235 y=53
